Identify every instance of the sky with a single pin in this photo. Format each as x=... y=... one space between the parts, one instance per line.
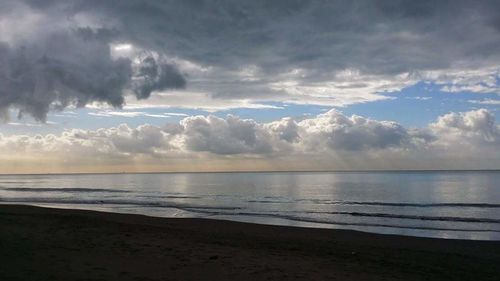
x=160 y=86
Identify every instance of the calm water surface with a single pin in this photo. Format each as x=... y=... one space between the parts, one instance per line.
x=435 y=204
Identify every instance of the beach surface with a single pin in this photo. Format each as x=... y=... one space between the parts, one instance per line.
x=61 y=244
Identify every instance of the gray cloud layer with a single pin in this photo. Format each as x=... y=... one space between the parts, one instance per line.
x=55 y=53
x=373 y=36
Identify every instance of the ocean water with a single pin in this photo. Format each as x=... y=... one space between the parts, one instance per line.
x=461 y=204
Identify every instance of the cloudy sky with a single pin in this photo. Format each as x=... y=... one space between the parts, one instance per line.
x=111 y=86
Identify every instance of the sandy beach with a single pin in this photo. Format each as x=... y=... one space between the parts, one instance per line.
x=59 y=244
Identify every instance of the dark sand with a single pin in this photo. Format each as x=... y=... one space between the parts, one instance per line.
x=54 y=244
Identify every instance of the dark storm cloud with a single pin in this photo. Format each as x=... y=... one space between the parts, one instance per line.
x=58 y=71
x=155 y=77
x=60 y=66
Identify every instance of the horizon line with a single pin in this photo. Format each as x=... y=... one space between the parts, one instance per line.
x=256 y=171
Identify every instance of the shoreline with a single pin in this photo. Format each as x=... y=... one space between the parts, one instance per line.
x=39 y=243
x=285 y=221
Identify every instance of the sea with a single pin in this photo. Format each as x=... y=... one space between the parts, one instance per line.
x=444 y=204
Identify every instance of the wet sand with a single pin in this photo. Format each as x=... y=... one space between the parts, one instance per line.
x=59 y=244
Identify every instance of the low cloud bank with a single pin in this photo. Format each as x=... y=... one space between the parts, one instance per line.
x=331 y=135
